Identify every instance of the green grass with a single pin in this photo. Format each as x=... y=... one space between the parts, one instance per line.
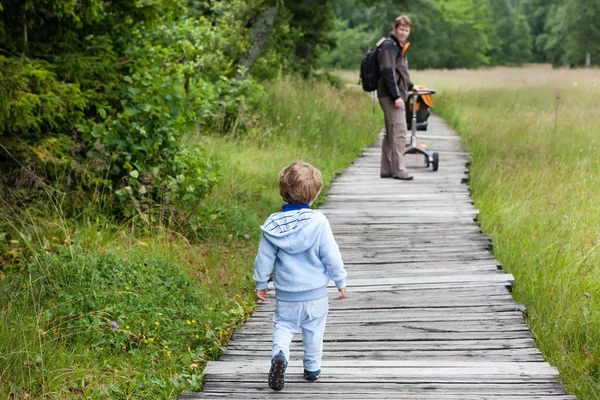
x=535 y=175
x=63 y=281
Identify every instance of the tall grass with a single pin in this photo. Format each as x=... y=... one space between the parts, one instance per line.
x=534 y=135
x=91 y=308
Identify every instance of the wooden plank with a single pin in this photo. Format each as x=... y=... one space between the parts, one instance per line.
x=412 y=368
x=246 y=334
x=323 y=388
x=395 y=395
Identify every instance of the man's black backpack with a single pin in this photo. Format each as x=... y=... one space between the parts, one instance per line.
x=369 y=68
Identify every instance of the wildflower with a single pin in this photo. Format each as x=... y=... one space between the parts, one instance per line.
x=151 y=339
x=160 y=314
x=166 y=347
x=157 y=323
x=194 y=321
x=114 y=325
x=188 y=321
x=126 y=287
x=189 y=350
x=210 y=308
x=298 y=117
x=124 y=347
x=197 y=336
x=246 y=236
x=126 y=326
x=231 y=311
x=169 y=353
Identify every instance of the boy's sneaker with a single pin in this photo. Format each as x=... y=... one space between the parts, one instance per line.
x=312 y=376
x=277 y=372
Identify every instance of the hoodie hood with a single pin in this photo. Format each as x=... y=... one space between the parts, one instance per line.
x=293 y=231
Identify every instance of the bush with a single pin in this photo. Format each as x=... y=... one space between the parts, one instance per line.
x=142 y=151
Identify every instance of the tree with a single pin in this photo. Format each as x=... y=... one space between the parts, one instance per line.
x=522 y=43
x=259 y=35
x=510 y=41
x=536 y=12
x=571 y=33
x=466 y=27
x=583 y=32
x=310 y=27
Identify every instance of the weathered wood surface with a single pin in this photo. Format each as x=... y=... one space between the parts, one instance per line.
x=428 y=313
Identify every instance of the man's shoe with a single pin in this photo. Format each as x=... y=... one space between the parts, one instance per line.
x=312 y=376
x=404 y=177
x=277 y=372
x=385 y=176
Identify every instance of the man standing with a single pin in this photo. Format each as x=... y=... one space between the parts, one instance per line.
x=392 y=92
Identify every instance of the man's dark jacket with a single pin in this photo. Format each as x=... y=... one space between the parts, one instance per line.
x=395 y=81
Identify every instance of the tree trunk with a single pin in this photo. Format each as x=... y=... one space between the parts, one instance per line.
x=25 y=28
x=259 y=34
x=588 y=59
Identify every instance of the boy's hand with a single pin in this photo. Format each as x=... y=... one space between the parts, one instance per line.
x=342 y=294
x=262 y=294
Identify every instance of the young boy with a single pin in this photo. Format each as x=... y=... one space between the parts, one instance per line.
x=299 y=245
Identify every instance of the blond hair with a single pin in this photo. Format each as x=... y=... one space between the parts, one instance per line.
x=402 y=20
x=300 y=183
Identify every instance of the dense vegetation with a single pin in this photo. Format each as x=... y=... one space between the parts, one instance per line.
x=138 y=157
x=98 y=97
x=96 y=308
x=534 y=178
x=473 y=33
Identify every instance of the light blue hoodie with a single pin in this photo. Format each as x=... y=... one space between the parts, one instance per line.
x=299 y=245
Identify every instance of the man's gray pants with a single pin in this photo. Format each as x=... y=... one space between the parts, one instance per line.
x=394 y=139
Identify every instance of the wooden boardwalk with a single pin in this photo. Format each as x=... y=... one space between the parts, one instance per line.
x=428 y=313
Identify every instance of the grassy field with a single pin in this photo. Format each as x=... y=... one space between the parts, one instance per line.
x=534 y=134
x=91 y=308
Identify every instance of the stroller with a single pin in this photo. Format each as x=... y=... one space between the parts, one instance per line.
x=423 y=104
x=417 y=113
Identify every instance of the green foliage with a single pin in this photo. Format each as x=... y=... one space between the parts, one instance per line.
x=510 y=41
x=444 y=34
x=127 y=309
x=142 y=151
x=302 y=34
x=565 y=31
x=34 y=102
x=352 y=44
x=536 y=13
x=123 y=85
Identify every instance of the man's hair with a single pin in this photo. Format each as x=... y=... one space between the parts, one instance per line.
x=402 y=20
x=300 y=183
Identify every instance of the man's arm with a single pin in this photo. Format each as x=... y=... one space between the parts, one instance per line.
x=387 y=67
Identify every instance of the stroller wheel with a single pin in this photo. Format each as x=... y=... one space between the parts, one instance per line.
x=436 y=161
x=426 y=161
